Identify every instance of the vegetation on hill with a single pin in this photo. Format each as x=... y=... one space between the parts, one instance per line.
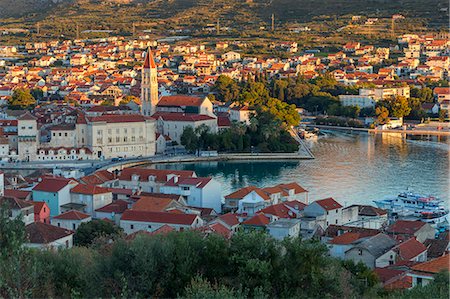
x=186 y=265
x=237 y=18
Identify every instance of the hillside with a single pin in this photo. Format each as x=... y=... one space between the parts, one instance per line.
x=126 y=17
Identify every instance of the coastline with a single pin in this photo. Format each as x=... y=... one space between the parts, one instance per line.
x=389 y=131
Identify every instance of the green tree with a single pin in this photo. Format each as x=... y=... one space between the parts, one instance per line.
x=87 y=232
x=189 y=139
x=382 y=115
x=128 y=99
x=21 y=99
x=37 y=94
x=226 y=88
x=398 y=106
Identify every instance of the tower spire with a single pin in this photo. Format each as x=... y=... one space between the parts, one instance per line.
x=149 y=85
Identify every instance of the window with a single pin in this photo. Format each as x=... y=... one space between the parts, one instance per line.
x=149 y=226
x=419 y=281
x=67 y=243
x=59 y=224
x=74 y=227
x=131 y=226
x=359 y=251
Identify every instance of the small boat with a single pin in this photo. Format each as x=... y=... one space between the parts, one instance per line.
x=409 y=205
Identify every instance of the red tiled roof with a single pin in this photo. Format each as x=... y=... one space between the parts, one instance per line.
x=296 y=187
x=386 y=274
x=410 y=249
x=15 y=203
x=89 y=189
x=26 y=116
x=42 y=233
x=405 y=227
x=223 y=121
x=328 y=204
x=159 y=217
x=38 y=206
x=350 y=237
x=72 y=215
x=220 y=229
x=159 y=174
x=281 y=210
x=257 y=220
x=230 y=219
x=20 y=194
x=163 y=230
x=52 y=184
x=179 y=116
x=180 y=100
x=241 y=193
x=197 y=182
x=441 y=90
x=119 y=118
x=118 y=207
x=152 y=204
x=433 y=266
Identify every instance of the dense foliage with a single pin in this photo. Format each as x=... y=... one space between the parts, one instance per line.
x=88 y=232
x=187 y=265
x=258 y=137
x=22 y=99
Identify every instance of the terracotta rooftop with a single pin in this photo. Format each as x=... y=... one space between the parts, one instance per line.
x=409 y=249
x=52 y=184
x=72 y=215
x=159 y=217
x=257 y=220
x=42 y=233
x=118 y=207
x=89 y=189
x=405 y=227
x=433 y=266
x=180 y=100
x=161 y=175
x=328 y=204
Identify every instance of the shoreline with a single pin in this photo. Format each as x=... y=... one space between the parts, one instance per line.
x=389 y=131
x=218 y=158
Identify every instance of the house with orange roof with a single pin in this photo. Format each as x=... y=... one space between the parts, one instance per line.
x=149 y=180
x=46 y=236
x=341 y=243
x=248 y=200
x=257 y=222
x=70 y=220
x=229 y=220
x=202 y=192
x=405 y=229
x=326 y=211
x=423 y=273
x=113 y=211
x=55 y=191
x=91 y=197
x=133 y=221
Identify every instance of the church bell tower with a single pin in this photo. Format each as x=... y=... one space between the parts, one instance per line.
x=149 y=85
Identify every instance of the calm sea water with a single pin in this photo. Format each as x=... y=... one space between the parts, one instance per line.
x=350 y=167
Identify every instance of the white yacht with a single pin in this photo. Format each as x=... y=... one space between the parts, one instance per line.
x=412 y=205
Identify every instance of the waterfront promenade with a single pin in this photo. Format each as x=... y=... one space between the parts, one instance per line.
x=388 y=131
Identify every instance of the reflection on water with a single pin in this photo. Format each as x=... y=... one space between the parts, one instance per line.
x=351 y=167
